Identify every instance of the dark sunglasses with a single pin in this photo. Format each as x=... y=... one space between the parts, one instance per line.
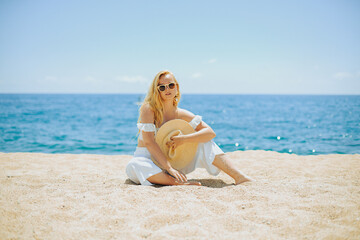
x=163 y=87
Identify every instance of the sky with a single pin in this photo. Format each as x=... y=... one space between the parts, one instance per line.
x=212 y=47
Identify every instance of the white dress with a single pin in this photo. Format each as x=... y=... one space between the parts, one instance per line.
x=141 y=167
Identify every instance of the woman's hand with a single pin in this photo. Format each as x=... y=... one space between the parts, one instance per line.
x=176 y=141
x=177 y=175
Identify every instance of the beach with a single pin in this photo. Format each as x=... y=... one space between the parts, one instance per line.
x=82 y=196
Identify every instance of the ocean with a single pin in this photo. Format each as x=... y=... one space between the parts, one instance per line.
x=106 y=123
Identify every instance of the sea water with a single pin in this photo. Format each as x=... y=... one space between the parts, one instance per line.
x=106 y=123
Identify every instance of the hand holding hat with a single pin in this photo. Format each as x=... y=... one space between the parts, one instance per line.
x=176 y=140
x=178 y=153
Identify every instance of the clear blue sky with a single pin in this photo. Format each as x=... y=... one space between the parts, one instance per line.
x=245 y=47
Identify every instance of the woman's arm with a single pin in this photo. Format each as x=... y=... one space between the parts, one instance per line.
x=147 y=116
x=204 y=132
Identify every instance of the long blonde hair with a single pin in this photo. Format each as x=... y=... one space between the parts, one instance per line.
x=153 y=98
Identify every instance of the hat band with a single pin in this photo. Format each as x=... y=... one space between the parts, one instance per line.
x=171 y=151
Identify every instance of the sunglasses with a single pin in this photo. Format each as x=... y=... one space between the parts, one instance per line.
x=163 y=87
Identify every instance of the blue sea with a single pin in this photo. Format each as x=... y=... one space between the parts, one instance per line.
x=106 y=123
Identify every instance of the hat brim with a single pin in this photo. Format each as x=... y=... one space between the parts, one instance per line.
x=182 y=155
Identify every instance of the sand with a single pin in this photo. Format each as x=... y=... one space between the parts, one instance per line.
x=65 y=196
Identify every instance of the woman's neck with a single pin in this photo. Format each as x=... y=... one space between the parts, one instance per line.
x=169 y=107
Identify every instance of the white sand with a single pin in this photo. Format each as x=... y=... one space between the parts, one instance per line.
x=65 y=196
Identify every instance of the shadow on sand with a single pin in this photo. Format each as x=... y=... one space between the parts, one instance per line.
x=211 y=183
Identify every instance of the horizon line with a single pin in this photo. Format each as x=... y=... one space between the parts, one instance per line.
x=93 y=93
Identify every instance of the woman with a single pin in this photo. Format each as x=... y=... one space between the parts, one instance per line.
x=159 y=107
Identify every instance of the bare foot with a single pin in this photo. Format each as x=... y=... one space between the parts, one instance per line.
x=243 y=178
x=225 y=164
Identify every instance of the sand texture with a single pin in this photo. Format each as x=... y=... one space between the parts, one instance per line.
x=65 y=196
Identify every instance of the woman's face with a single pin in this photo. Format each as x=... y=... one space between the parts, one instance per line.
x=167 y=94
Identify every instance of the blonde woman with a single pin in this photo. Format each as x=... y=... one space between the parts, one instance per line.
x=160 y=106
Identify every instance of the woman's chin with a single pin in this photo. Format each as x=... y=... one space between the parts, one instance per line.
x=168 y=97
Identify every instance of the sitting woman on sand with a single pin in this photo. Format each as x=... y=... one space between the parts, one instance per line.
x=159 y=107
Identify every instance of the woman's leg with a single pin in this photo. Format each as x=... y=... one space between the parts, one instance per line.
x=224 y=163
x=165 y=179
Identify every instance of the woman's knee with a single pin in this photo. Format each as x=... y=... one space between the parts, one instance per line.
x=130 y=171
x=129 y=166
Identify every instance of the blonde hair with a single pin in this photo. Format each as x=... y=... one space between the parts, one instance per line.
x=153 y=98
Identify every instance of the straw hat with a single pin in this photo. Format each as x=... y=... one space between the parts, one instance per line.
x=182 y=155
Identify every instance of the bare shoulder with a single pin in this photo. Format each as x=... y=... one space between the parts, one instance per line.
x=146 y=114
x=185 y=114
